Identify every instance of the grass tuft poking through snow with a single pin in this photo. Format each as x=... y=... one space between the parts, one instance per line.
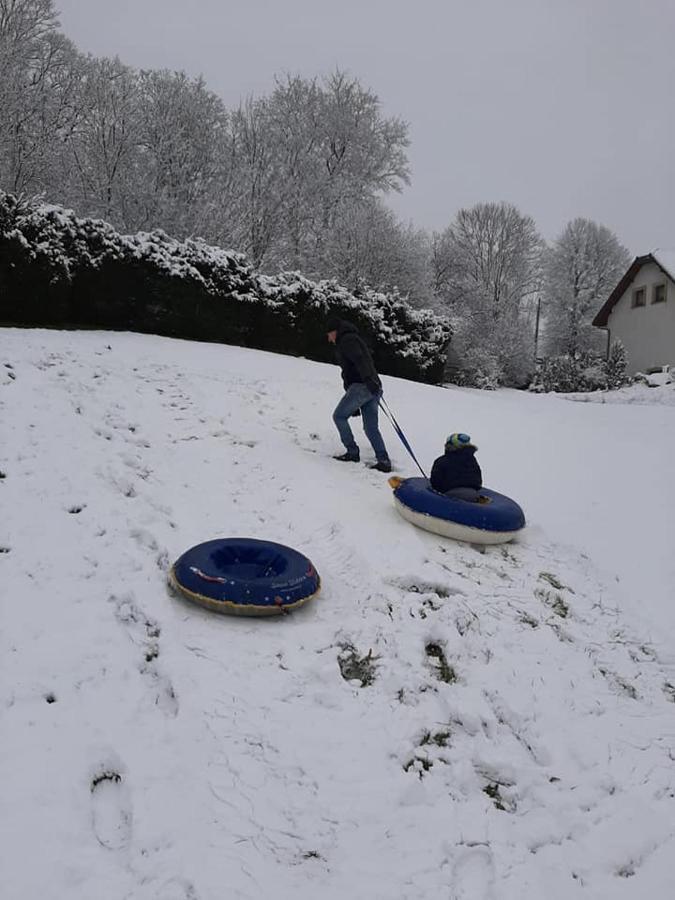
x=444 y=671
x=355 y=667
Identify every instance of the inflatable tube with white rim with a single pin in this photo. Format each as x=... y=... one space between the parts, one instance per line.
x=495 y=519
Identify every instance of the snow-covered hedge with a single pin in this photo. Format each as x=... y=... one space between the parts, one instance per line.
x=57 y=269
x=582 y=372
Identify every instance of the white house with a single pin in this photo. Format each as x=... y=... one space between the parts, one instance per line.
x=640 y=312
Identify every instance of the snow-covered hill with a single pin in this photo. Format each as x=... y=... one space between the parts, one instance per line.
x=440 y=723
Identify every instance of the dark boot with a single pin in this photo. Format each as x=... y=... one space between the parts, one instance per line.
x=348 y=457
x=382 y=465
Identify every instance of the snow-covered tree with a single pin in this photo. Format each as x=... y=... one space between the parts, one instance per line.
x=258 y=184
x=26 y=28
x=581 y=269
x=38 y=75
x=369 y=245
x=487 y=274
x=294 y=178
x=305 y=156
x=183 y=144
x=616 y=366
x=364 y=154
x=296 y=116
x=105 y=176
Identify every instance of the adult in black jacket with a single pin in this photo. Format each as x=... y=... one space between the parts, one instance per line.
x=457 y=472
x=363 y=390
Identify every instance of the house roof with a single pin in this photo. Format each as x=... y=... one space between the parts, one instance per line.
x=664 y=259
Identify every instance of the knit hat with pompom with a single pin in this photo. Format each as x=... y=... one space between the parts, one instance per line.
x=457 y=440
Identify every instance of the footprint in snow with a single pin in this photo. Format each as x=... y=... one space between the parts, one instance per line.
x=618 y=684
x=120 y=483
x=145 y=633
x=177 y=889
x=112 y=819
x=473 y=875
x=414 y=585
x=147 y=541
x=165 y=697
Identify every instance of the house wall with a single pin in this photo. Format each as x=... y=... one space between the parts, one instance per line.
x=647 y=332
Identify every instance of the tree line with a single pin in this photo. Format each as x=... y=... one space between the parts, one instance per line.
x=297 y=180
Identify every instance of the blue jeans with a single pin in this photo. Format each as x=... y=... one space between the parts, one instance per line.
x=357 y=396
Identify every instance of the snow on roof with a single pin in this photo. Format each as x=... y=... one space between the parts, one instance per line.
x=666 y=259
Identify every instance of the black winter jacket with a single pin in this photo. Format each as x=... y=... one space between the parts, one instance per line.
x=353 y=357
x=456 y=468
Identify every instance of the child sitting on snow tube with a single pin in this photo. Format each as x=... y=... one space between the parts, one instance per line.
x=457 y=473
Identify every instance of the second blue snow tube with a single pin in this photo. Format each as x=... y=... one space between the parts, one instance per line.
x=245 y=576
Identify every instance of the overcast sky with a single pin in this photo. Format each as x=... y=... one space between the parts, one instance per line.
x=563 y=107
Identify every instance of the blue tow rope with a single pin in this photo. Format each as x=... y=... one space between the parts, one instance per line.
x=399 y=431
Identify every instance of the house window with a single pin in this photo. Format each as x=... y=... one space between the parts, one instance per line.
x=639 y=297
x=659 y=293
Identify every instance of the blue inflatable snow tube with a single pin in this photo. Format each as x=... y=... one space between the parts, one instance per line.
x=245 y=576
x=495 y=514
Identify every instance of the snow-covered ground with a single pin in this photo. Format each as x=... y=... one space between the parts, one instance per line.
x=657 y=389
x=440 y=723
